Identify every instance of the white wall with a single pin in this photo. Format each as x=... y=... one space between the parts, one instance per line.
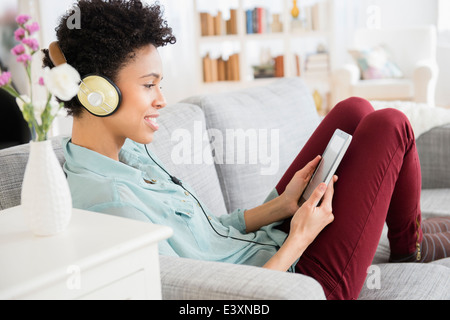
x=180 y=75
x=180 y=62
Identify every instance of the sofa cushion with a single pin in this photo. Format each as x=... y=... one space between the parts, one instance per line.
x=187 y=279
x=435 y=202
x=180 y=146
x=272 y=123
x=412 y=281
x=434 y=154
x=375 y=63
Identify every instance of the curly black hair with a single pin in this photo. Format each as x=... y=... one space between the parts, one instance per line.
x=111 y=32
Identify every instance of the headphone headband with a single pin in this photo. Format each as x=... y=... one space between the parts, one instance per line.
x=56 y=54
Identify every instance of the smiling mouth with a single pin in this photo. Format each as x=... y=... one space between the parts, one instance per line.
x=152 y=122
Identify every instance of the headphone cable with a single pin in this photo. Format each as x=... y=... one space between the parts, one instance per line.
x=178 y=182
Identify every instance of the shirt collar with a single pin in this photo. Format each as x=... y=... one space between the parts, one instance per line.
x=80 y=157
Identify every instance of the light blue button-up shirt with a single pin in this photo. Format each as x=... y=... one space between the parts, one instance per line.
x=136 y=187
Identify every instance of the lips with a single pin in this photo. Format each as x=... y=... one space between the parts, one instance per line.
x=151 y=121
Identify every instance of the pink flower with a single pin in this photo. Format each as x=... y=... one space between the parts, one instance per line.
x=5 y=77
x=18 y=50
x=41 y=81
x=24 y=58
x=22 y=19
x=19 y=34
x=32 y=28
x=31 y=43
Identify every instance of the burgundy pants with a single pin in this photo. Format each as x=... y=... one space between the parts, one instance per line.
x=379 y=180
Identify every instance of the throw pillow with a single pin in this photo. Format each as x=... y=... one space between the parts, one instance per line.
x=375 y=63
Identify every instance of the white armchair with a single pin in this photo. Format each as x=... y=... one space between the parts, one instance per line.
x=413 y=50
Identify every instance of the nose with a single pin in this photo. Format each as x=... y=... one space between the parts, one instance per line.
x=160 y=100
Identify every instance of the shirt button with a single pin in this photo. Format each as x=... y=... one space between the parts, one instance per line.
x=153 y=181
x=186 y=193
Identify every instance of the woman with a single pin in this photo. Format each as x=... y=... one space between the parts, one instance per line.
x=110 y=170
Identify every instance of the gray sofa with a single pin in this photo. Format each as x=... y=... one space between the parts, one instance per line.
x=283 y=116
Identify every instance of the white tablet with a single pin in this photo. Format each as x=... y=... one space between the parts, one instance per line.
x=329 y=163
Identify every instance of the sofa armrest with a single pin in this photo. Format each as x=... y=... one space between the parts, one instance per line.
x=187 y=279
x=425 y=78
x=349 y=74
x=342 y=80
x=434 y=152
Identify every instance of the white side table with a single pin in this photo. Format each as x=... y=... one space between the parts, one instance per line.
x=97 y=257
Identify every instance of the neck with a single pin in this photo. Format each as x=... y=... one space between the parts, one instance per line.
x=92 y=133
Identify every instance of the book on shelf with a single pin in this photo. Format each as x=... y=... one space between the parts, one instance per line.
x=220 y=69
x=249 y=21
x=317 y=65
x=207 y=24
x=319 y=13
x=216 y=25
x=257 y=21
x=298 y=67
x=314 y=18
x=279 y=66
x=232 y=23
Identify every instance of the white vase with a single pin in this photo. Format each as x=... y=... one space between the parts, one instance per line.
x=46 y=198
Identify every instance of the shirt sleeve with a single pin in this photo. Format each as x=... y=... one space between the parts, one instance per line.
x=235 y=219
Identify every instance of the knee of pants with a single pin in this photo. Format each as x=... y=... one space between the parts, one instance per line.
x=390 y=122
x=354 y=107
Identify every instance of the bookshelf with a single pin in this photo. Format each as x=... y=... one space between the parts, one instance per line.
x=244 y=43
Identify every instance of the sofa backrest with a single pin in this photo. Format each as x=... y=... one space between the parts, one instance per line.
x=186 y=156
x=272 y=122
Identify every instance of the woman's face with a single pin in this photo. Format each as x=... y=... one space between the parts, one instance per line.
x=139 y=82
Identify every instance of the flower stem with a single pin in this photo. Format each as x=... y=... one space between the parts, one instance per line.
x=11 y=91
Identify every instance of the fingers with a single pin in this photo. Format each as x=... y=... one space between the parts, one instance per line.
x=313 y=164
x=308 y=170
x=324 y=191
x=317 y=194
x=328 y=196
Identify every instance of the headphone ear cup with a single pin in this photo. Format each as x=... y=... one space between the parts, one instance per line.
x=99 y=95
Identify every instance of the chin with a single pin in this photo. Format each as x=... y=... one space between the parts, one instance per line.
x=144 y=139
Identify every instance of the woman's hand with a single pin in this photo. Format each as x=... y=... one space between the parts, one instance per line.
x=297 y=185
x=285 y=205
x=308 y=221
